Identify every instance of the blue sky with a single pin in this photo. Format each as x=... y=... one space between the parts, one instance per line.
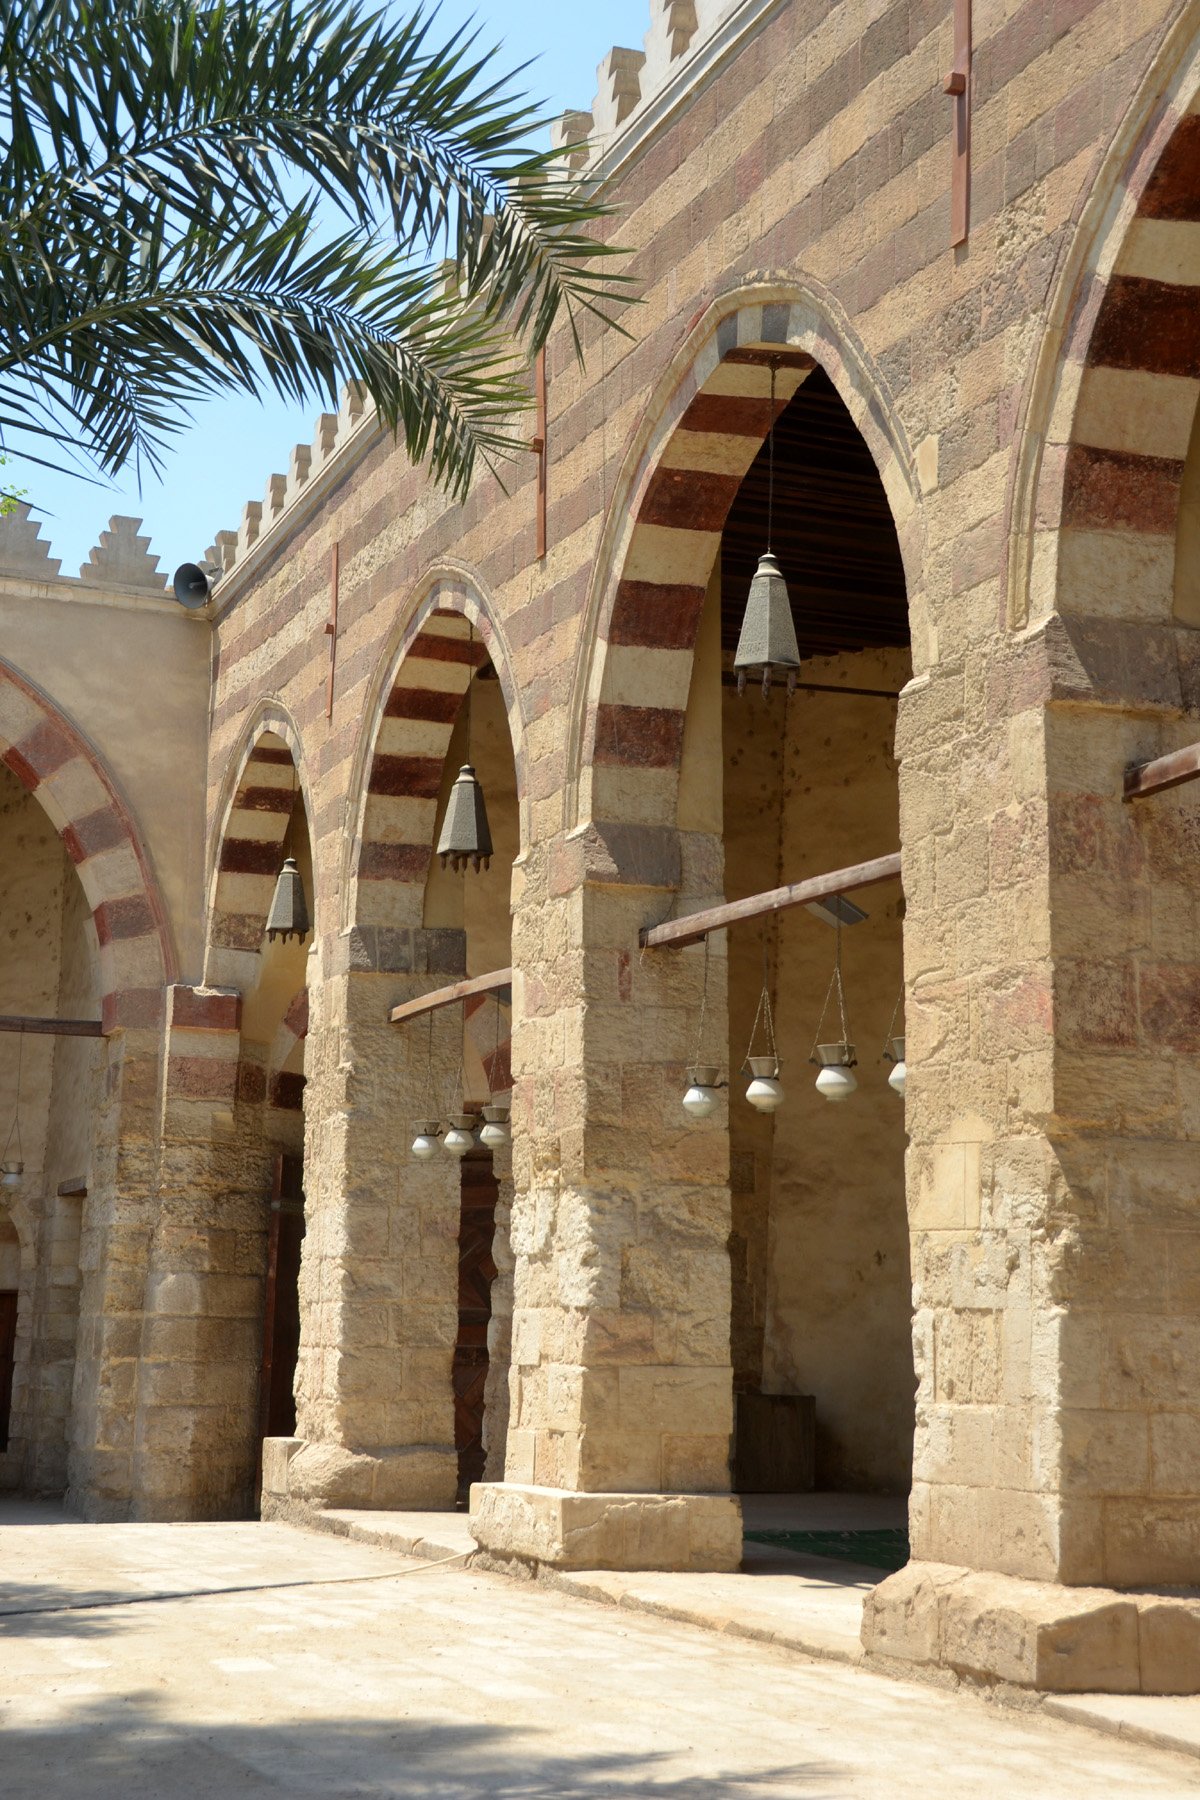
x=224 y=459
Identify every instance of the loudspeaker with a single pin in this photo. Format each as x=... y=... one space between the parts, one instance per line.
x=192 y=585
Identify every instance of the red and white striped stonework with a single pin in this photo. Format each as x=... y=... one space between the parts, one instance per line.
x=285 y=1063
x=248 y=860
x=449 y=637
x=491 y=1040
x=56 y=764
x=1137 y=400
x=711 y=428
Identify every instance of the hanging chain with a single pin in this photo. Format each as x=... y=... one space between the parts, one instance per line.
x=15 y=1128
x=835 y=986
x=891 y=1030
x=699 y=1050
x=763 y=1013
x=771 y=457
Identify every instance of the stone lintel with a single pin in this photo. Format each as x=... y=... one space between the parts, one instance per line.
x=565 y=1530
x=988 y=1627
x=299 y=1475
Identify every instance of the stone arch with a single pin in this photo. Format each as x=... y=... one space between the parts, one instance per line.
x=285 y=1083
x=262 y=781
x=1111 y=400
x=402 y=752
x=64 y=773
x=702 y=430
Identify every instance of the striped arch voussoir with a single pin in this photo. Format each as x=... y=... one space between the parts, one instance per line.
x=448 y=638
x=285 y=1081
x=491 y=1038
x=1122 y=466
x=248 y=857
x=714 y=425
x=55 y=763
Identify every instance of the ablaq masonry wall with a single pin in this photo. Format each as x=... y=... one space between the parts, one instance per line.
x=781 y=176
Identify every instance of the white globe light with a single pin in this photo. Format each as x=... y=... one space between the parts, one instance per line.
x=10 y=1175
x=425 y=1144
x=898 y=1079
x=836 y=1082
x=765 y=1092
x=495 y=1132
x=699 y=1101
x=460 y=1137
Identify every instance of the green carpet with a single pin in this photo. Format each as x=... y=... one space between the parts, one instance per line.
x=883 y=1549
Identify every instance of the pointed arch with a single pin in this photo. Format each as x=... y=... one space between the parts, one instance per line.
x=703 y=428
x=263 y=777
x=448 y=630
x=55 y=763
x=1111 y=398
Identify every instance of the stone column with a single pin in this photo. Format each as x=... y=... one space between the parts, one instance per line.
x=117 y=1222
x=1054 y=1017
x=379 y=1278
x=496 y=1387
x=618 y=1445
x=196 y=1433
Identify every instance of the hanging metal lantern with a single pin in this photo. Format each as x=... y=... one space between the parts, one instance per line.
x=288 y=916
x=836 y=1080
x=494 y=1132
x=466 y=838
x=460 y=1135
x=767 y=639
x=898 y=1079
x=425 y=1143
x=768 y=635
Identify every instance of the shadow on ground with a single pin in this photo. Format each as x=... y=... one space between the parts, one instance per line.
x=127 y=1749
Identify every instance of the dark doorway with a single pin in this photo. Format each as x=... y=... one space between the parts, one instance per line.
x=8 y=1357
x=281 y=1314
x=476 y=1272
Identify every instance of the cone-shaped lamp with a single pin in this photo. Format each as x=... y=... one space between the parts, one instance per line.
x=768 y=635
x=767 y=639
x=465 y=835
x=289 y=910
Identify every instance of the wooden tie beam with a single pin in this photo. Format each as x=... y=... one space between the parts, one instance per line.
x=51 y=1027
x=675 y=933
x=450 y=996
x=1164 y=772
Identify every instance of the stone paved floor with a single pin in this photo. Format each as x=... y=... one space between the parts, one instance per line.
x=446 y=1683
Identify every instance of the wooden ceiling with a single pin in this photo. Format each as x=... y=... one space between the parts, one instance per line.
x=833 y=532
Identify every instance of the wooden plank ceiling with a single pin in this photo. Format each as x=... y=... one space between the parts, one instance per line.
x=833 y=532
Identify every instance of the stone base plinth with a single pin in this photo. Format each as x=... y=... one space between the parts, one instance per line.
x=1034 y=1634
x=297 y=1475
x=565 y=1530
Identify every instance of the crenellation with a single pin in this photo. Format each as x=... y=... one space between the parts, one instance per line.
x=618 y=93
x=23 y=549
x=122 y=558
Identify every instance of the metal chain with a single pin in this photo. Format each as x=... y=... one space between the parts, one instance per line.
x=771 y=458
x=696 y=1059
x=15 y=1127
x=835 y=984
x=891 y=1030
x=763 y=1012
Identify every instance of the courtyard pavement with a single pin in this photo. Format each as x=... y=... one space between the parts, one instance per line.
x=233 y=1661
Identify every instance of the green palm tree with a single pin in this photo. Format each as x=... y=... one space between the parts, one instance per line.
x=205 y=196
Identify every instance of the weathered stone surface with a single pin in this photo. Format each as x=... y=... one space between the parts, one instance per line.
x=607 y=1531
